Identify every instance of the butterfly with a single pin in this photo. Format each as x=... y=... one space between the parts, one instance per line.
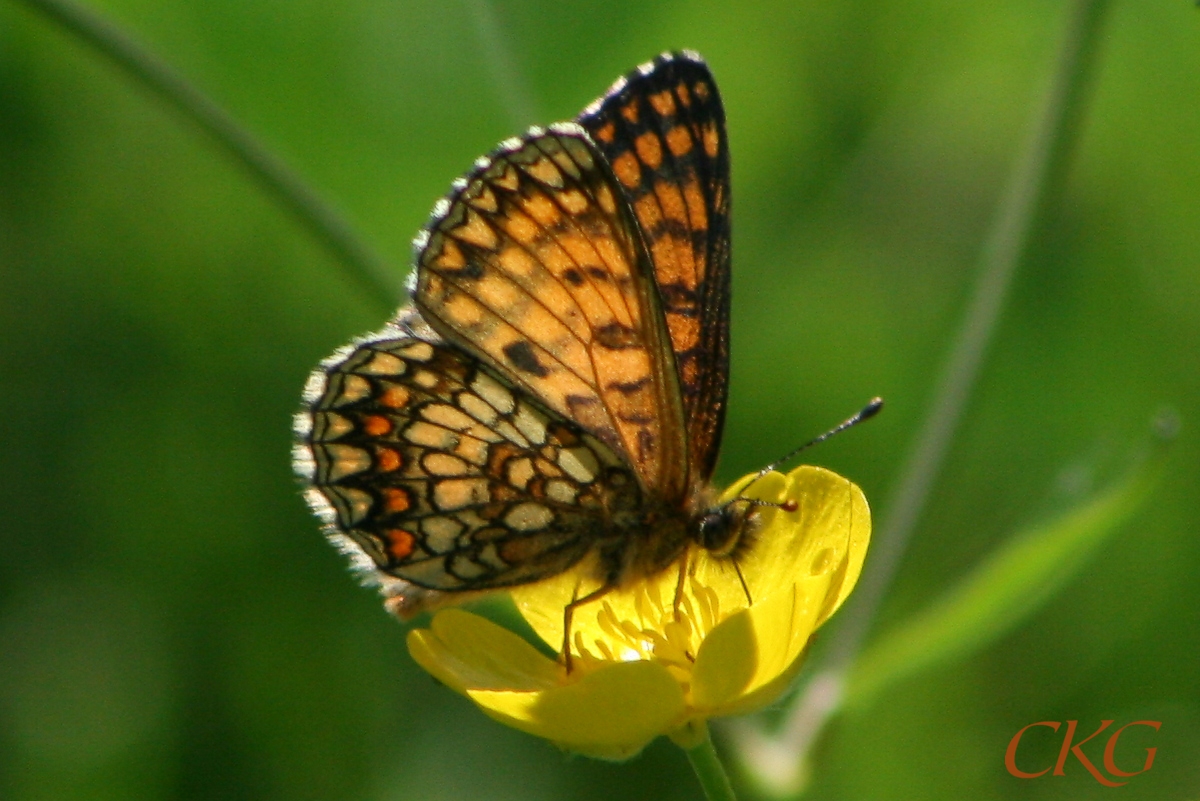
x=555 y=392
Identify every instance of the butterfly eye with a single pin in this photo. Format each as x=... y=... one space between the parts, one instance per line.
x=721 y=529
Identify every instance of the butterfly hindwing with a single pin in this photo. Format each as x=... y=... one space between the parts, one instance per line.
x=446 y=477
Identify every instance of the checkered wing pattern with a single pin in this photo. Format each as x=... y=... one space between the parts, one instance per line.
x=662 y=128
x=444 y=475
x=557 y=389
x=535 y=265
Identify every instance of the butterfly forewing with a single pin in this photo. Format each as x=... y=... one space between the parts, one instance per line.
x=445 y=476
x=535 y=264
x=662 y=128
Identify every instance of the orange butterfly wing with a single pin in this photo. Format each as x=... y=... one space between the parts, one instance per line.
x=436 y=476
x=535 y=265
x=662 y=128
x=560 y=388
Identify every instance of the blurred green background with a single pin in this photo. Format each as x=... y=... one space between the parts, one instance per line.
x=172 y=625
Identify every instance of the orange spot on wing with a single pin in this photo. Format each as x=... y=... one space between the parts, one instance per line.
x=546 y=171
x=401 y=543
x=377 y=425
x=671 y=200
x=648 y=212
x=506 y=494
x=627 y=170
x=388 y=460
x=606 y=133
x=679 y=140
x=396 y=499
x=685 y=331
x=649 y=149
x=712 y=139
x=395 y=397
x=663 y=103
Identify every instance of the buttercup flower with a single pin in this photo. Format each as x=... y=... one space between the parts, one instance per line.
x=639 y=667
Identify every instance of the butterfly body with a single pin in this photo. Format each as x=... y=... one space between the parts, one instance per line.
x=556 y=391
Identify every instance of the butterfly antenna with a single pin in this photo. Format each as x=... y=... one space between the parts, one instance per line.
x=866 y=413
x=745 y=587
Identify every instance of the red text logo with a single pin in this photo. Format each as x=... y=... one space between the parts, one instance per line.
x=1072 y=747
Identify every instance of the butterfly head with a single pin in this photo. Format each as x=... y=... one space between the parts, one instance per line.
x=721 y=531
x=728 y=530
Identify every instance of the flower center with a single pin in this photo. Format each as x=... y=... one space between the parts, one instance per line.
x=658 y=629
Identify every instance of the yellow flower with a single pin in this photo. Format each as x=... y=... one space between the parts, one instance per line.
x=639 y=668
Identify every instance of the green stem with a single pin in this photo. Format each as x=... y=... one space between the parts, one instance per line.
x=1038 y=174
x=363 y=265
x=1044 y=159
x=497 y=44
x=710 y=771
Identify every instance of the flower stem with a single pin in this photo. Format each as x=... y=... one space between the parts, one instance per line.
x=709 y=770
x=497 y=44
x=1036 y=177
x=365 y=267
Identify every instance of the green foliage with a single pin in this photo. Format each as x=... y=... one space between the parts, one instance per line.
x=172 y=626
x=1011 y=584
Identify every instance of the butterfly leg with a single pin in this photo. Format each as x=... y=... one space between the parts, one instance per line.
x=745 y=587
x=569 y=613
x=684 y=564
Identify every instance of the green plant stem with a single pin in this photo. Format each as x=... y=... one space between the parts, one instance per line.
x=1045 y=156
x=366 y=268
x=496 y=43
x=710 y=771
x=1038 y=174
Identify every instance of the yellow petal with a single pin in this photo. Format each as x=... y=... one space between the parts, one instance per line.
x=467 y=652
x=828 y=533
x=800 y=569
x=770 y=487
x=727 y=662
x=611 y=713
x=756 y=646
